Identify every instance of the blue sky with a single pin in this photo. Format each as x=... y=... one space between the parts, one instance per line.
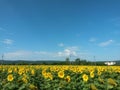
x=56 y=29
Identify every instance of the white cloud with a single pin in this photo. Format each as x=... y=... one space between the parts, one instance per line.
x=6 y=32
x=40 y=52
x=7 y=41
x=73 y=48
x=69 y=51
x=103 y=44
x=30 y=55
x=18 y=54
x=73 y=54
x=44 y=55
x=92 y=39
x=61 y=44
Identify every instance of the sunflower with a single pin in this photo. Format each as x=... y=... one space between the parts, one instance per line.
x=24 y=80
x=99 y=73
x=45 y=75
x=43 y=72
x=67 y=78
x=92 y=74
x=50 y=76
x=93 y=87
x=20 y=72
x=112 y=82
x=61 y=74
x=9 y=70
x=10 y=77
x=32 y=87
x=85 y=77
x=32 y=72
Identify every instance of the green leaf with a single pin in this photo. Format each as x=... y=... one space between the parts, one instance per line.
x=22 y=87
x=109 y=86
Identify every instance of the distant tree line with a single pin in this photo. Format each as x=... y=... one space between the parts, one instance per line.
x=79 y=61
x=67 y=61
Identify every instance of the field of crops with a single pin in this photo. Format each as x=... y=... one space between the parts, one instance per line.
x=58 y=77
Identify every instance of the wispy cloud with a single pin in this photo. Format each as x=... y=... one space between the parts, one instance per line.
x=38 y=55
x=106 y=43
x=29 y=55
x=92 y=39
x=61 y=44
x=43 y=55
x=6 y=32
x=8 y=41
x=73 y=48
x=17 y=55
x=32 y=55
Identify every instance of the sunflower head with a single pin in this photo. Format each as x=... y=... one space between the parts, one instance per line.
x=67 y=78
x=85 y=77
x=10 y=77
x=92 y=74
x=50 y=76
x=32 y=72
x=24 y=79
x=61 y=74
x=10 y=70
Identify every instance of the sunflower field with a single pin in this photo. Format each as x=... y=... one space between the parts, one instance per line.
x=59 y=77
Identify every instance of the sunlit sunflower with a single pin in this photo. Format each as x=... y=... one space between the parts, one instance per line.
x=10 y=77
x=43 y=72
x=67 y=78
x=61 y=74
x=32 y=72
x=85 y=77
x=10 y=70
x=50 y=76
x=99 y=72
x=92 y=74
x=20 y=71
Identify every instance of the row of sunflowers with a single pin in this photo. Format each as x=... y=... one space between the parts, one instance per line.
x=59 y=77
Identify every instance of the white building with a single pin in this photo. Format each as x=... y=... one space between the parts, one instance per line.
x=110 y=63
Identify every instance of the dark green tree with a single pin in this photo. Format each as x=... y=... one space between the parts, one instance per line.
x=67 y=60
x=77 y=61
